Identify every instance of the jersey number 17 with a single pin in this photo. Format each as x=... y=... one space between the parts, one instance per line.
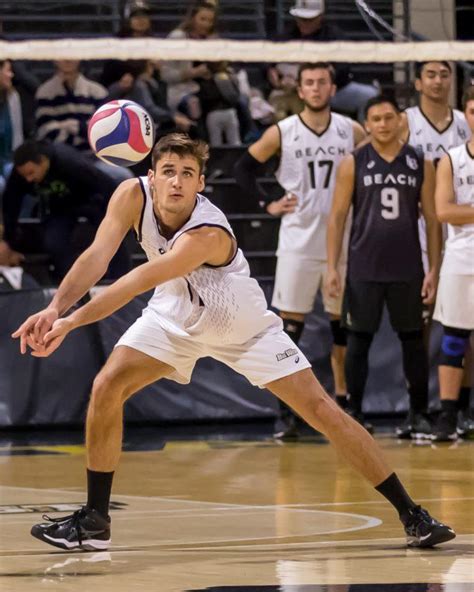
x=312 y=173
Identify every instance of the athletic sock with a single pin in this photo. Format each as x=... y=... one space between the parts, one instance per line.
x=397 y=495
x=449 y=406
x=415 y=367
x=464 y=398
x=99 y=487
x=357 y=367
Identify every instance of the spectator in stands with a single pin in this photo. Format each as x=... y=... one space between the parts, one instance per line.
x=219 y=97
x=68 y=186
x=137 y=23
x=150 y=91
x=310 y=25
x=64 y=105
x=183 y=76
x=11 y=121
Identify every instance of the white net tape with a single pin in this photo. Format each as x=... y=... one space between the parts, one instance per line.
x=241 y=51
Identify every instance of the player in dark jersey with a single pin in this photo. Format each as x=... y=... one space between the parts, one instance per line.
x=385 y=181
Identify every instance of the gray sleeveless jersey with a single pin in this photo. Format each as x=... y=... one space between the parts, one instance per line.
x=214 y=305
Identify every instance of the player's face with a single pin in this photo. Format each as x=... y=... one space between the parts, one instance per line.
x=316 y=89
x=435 y=82
x=469 y=113
x=68 y=67
x=383 y=122
x=34 y=172
x=6 y=76
x=175 y=183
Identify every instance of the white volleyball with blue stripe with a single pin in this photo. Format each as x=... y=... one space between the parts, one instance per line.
x=121 y=133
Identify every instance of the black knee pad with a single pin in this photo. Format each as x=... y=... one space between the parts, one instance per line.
x=293 y=329
x=453 y=347
x=339 y=334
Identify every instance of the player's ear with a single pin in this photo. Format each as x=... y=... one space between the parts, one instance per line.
x=418 y=84
x=151 y=177
x=333 y=90
x=202 y=182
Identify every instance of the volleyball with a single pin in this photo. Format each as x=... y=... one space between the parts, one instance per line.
x=121 y=133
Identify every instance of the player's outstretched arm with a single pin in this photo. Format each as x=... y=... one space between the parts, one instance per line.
x=122 y=212
x=433 y=233
x=337 y=220
x=191 y=250
x=447 y=209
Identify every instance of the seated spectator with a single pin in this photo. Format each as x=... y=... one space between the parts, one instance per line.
x=310 y=25
x=183 y=76
x=136 y=23
x=219 y=97
x=149 y=90
x=11 y=121
x=68 y=186
x=64 y=105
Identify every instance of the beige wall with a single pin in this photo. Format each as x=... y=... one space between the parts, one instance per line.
x=434 y=18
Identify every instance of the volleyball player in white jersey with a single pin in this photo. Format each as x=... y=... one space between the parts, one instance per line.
x=311 y=146
x=434 y=128
x=205 y=304
x=455 y=300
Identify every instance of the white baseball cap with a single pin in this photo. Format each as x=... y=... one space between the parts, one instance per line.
x=307 y=9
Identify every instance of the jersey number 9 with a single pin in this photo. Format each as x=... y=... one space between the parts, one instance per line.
x=389 y=199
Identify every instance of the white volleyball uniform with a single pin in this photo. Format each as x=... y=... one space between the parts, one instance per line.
x=219 y=312
x=434 y=144
x=307 y=168
x=455 y=298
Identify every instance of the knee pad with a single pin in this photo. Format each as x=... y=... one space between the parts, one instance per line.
x=453 y=347
x=339 y=334
x=293 y=329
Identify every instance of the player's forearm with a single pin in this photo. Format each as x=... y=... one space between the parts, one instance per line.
x=456 y=214
x=335 y=234
x=85 y=273
x=434 y=243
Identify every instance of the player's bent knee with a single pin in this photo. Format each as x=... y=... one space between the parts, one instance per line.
x=108 y=387
x=453 y=347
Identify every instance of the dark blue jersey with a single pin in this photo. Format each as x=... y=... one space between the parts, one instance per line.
x=384 y=244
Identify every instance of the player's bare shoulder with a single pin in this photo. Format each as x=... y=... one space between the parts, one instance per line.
x=127 y=201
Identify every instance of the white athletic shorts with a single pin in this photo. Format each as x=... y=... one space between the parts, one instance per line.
x=297 y=281
x=266 y=357
x=455 y=301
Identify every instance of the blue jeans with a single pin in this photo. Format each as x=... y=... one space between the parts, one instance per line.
x=352 y=98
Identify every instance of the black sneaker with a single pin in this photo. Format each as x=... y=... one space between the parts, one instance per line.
x=445 y=427
x=465 y=425
x=403 y=431
x=288 y=431
x=421 y=428
x=86 y=529
x=424 y=531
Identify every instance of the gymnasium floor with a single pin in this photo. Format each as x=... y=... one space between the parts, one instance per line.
x=235 y=512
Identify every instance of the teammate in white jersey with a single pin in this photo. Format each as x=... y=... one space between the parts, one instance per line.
x=204 y=293
x=311 y=146
x=434 y=128
x=455 y=300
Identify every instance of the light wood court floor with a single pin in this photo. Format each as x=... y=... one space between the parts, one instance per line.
x=241 y=517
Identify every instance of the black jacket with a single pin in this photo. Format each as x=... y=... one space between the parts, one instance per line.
x=72 y=182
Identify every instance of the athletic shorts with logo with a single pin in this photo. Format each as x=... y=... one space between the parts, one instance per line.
x=266 y=357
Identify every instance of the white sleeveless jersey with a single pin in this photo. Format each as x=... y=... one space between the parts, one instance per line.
x=308 y=165
x=459 y=248
x=433 y=143
x=214 y=305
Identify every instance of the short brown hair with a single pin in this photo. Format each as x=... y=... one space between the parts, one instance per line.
x=467 y=96
x=317 y=65
x=182 y=145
